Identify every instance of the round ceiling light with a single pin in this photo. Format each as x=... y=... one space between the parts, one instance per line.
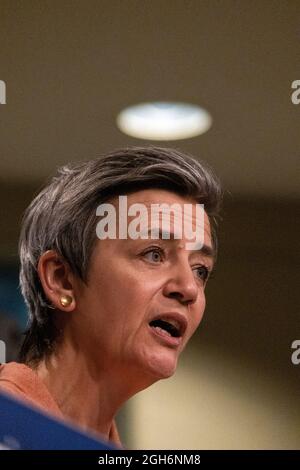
x=164 y=121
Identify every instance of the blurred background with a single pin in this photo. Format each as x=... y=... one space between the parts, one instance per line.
x=69 y=68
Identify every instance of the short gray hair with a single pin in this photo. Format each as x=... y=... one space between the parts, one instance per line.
x=62 y=217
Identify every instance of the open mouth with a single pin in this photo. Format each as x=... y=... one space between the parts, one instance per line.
x=170 y=325
x=166 y=328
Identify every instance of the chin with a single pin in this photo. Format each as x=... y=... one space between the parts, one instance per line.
x=161 y=366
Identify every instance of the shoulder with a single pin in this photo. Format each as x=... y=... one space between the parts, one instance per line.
x=15 y=377
x=22 y=382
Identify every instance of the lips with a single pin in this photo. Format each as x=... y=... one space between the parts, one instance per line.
x=170 y=324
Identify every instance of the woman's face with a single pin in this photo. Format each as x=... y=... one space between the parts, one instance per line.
x=144 y=298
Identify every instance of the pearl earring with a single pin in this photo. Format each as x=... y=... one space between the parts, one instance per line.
x=66 y=300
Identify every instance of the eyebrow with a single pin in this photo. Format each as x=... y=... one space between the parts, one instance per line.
x=206 y=250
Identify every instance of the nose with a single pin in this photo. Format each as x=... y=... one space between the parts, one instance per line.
x=182 y=284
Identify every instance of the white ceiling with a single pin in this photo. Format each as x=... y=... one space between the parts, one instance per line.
x=71 y=66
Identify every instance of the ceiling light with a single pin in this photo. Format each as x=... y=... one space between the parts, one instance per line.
x=164 y=121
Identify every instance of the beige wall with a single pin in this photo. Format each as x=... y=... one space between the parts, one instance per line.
x=214 y=402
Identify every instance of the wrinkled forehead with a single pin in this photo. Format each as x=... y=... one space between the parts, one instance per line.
x=161 y=214
x=158 y=201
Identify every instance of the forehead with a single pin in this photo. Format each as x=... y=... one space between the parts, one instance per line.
x=151 y=197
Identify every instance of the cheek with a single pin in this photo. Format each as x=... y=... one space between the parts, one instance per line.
x=197 y=313
x=125 y=294
x=136 y=285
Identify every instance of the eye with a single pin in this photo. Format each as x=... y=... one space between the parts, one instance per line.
x=154 y=255
x=202 y=273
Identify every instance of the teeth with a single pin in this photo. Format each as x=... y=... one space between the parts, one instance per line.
x=168 y=325
x=173 y=322
x=166 y=333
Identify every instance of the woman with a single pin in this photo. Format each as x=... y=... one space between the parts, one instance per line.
x=109 y=317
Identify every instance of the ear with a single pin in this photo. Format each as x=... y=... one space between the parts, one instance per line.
x=57 y=280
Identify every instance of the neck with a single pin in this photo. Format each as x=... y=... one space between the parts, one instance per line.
x=88 y=393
